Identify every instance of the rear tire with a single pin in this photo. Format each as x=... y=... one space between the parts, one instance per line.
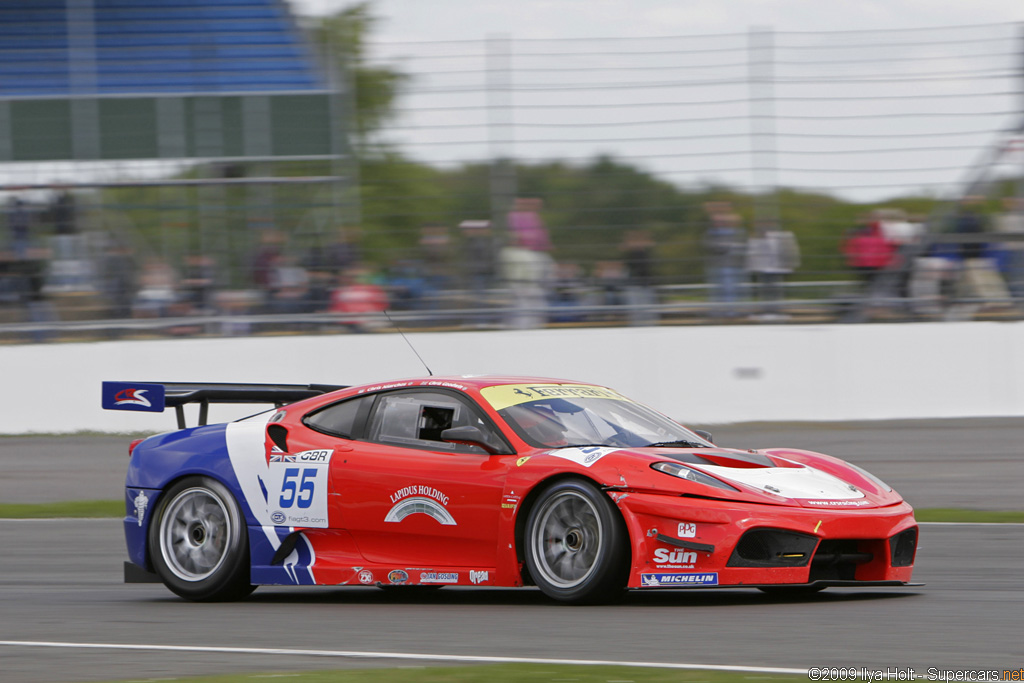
x=576 y=544
x=198 y=542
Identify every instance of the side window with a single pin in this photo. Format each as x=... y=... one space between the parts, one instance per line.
x=341 y=419
x=417 y=418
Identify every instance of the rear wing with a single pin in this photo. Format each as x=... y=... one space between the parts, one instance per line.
x=156 y=396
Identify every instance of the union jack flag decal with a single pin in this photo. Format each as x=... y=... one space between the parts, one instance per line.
x=281 y=457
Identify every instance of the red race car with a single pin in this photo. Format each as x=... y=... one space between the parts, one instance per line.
x=488 y=481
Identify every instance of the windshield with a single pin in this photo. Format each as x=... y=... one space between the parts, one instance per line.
x=559 y=415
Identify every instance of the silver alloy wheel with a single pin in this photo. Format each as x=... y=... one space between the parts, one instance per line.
x=194 y=534
x=567 y=539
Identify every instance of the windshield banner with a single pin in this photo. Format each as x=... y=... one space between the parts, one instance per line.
x=505 y=395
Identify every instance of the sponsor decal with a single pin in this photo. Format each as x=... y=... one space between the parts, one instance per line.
x=509 y=502
x=477 y=577
x=504 y=395
x=380 y=387
x=136 y=396
x=439 y=577
x=838 y=503
x=365 y=577
x=586 y=456
x=319 y=456
x=141 y=502
x=296 y=487
x=419 y=491
x=522 y=461
x=442 y=383
x=684 y=579
x=675 y=558
x=397 y=576
x=422 y=500
x=687 y=530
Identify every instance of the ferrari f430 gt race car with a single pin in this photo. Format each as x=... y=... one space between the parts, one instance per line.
x=496 y=481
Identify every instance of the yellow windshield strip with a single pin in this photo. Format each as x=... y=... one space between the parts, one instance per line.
x=504 y=395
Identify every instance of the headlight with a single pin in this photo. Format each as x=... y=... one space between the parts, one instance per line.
x=867 y=475
x=683 y=472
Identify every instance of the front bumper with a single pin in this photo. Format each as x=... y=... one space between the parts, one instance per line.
x=680 y=542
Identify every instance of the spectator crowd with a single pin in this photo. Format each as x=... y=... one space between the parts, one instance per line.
x=480 y=276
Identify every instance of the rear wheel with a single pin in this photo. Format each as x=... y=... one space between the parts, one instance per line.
x=576 y=545
x=198 y=542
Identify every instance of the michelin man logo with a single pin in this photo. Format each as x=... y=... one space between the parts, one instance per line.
x=141 y=502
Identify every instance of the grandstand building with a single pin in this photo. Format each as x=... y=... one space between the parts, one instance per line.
x=189 y=97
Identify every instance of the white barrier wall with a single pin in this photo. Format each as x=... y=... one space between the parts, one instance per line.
x=699 y=375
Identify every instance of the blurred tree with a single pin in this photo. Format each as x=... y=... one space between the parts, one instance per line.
x=343 y=35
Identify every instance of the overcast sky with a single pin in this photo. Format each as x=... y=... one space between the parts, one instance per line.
x=413 y=20
x=963 y=86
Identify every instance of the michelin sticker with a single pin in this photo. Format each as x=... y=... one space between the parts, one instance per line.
x=297 y=488
x=585 y=456
x=684 y=579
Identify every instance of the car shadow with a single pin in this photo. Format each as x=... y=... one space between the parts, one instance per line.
x=369 y=595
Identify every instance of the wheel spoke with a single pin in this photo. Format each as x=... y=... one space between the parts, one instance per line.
x=566 y=567
x=195 y=532
x=567 y=539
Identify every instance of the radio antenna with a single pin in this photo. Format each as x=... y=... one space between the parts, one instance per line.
x=395 y=325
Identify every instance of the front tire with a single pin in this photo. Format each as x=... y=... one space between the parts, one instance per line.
x=198 y=542
x=576 y=544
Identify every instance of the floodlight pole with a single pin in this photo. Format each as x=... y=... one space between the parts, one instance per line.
x=761 y=70
x=500 y=131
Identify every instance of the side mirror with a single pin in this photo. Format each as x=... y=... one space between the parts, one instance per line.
x=704 y=435
x=468 y=436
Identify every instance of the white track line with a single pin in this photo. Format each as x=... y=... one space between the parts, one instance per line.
x=351 y=654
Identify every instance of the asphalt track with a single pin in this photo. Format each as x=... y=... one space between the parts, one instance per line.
x=60 y=584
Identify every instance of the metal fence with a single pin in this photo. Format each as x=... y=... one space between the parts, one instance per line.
x=785 y=126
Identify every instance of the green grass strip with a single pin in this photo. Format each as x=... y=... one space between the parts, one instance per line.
x=75 y=508
x=503 y=673
x=959 y=515
x=115 y=508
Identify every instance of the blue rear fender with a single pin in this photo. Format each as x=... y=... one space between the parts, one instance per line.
x=161 y=460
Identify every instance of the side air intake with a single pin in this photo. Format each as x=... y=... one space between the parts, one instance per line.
x=773 y=548
x=903 y=547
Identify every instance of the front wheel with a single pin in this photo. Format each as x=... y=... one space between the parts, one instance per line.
x=577 y=547
x=198 y=542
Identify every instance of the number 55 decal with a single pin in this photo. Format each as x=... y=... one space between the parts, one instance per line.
x=297 y=489
x=302 y=496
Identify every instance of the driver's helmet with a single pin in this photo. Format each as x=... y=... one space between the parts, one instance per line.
x=540 y=423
